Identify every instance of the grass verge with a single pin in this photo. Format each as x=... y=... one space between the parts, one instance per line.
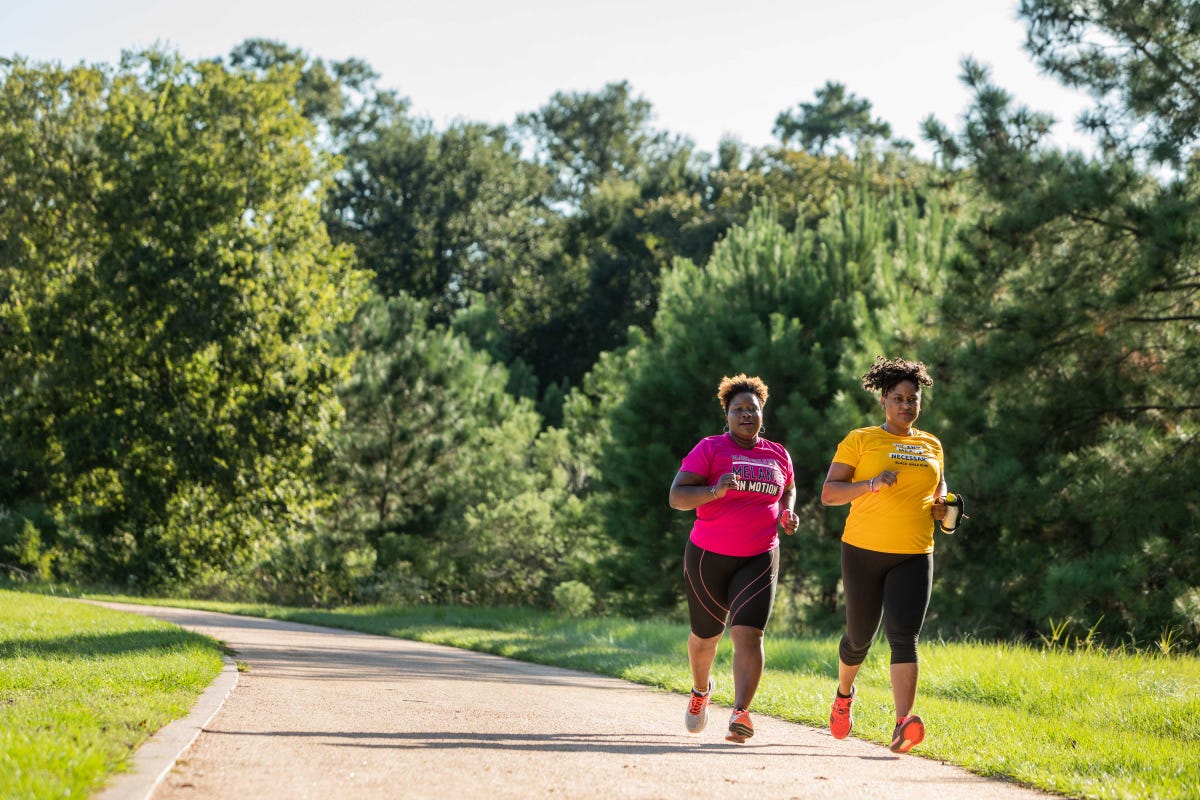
x=82 y=687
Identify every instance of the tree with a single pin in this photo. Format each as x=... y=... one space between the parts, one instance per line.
x=342 y=98
x=785 y=305
x=631 y=216
x=167 y=292
x=1136 y=59
x=835 y=115
x=443 y=215
x=609 y=163
x=589 y=138
x=1072 y=353
x=449 y=216
x=442 y=472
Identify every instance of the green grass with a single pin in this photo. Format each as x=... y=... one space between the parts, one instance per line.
x=1086 y=723
x=82 y=687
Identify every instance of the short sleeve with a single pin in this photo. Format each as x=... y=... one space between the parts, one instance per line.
x=699 y=460
x=849 y=451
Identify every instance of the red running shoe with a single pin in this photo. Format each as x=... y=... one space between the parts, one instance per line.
x=740 y=728
x=840 y=719
x=910 y=732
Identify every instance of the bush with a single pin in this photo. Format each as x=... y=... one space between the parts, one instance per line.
x=574 y=599
x=22 y=547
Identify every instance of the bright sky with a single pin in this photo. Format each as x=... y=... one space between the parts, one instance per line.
x=710 y=68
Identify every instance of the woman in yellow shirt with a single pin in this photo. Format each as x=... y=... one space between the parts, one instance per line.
x=893 y=477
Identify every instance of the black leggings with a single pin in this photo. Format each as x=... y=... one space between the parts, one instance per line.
x=742 y=587
x=891 y=586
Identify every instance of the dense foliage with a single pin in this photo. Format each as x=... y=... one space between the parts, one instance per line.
x=168 y=295
x=265 y=334
x=803 y=307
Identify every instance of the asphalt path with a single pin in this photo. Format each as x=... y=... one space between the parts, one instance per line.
x=327 y=713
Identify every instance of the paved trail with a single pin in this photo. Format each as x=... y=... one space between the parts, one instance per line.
x=325 y=713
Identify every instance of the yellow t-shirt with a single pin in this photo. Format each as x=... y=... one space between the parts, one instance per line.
x=895 y=519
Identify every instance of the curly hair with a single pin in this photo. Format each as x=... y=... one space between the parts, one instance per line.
x=886 y=373
x=741 y=383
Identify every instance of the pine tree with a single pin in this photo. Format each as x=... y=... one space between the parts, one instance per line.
x=804 y=310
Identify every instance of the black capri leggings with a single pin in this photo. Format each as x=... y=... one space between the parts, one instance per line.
x=891 y=586
x=740 y=587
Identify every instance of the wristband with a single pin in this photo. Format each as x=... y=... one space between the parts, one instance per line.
x=713 y=490
x=871 y=486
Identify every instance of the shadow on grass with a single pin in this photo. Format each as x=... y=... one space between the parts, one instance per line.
x=103 y=644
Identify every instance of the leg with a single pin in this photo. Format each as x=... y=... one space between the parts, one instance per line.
x=701 y=653
x=706 y=575
x=904 y=687
x=747 y=663
x=906 y=599
x=863 y=589
x=846 y=675
x=910 y=728
x=841 y=720
x=862 y=586
x=752 y=596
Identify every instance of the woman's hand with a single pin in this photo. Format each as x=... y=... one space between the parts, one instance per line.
x=884 y=479
x=788 y=521
x=938 y=509
x=841 y=488
x=724 y=484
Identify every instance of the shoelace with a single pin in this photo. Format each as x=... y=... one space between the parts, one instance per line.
x=698 y=703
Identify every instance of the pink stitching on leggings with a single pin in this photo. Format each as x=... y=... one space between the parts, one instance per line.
x=704 y=605
x=751 y=597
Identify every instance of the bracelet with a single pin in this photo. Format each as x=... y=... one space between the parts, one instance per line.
x=871 y=486
x=713 y=490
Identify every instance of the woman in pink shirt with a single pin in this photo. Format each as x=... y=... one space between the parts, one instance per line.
x=741 y=487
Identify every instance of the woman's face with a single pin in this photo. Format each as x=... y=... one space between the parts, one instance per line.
x=902 y=405
x=744 y=415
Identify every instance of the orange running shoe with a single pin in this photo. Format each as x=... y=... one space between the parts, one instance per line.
x=740 y=727
x=696 y=717
x=910 y=732
x=840 y=719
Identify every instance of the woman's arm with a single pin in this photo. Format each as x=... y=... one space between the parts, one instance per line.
x=787 y=498
x=840 y=488
x=689 y=490
x=938 y=509
x=788 y=521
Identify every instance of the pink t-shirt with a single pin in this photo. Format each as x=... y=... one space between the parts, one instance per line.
x=742 y=523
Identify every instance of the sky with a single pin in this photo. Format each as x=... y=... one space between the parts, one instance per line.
x=709 y=68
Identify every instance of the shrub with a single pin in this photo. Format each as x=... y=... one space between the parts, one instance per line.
x=574 y=599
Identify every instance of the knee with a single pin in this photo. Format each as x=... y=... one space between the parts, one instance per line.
x=904 y=648
x=853 y=653
x=745 y=636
